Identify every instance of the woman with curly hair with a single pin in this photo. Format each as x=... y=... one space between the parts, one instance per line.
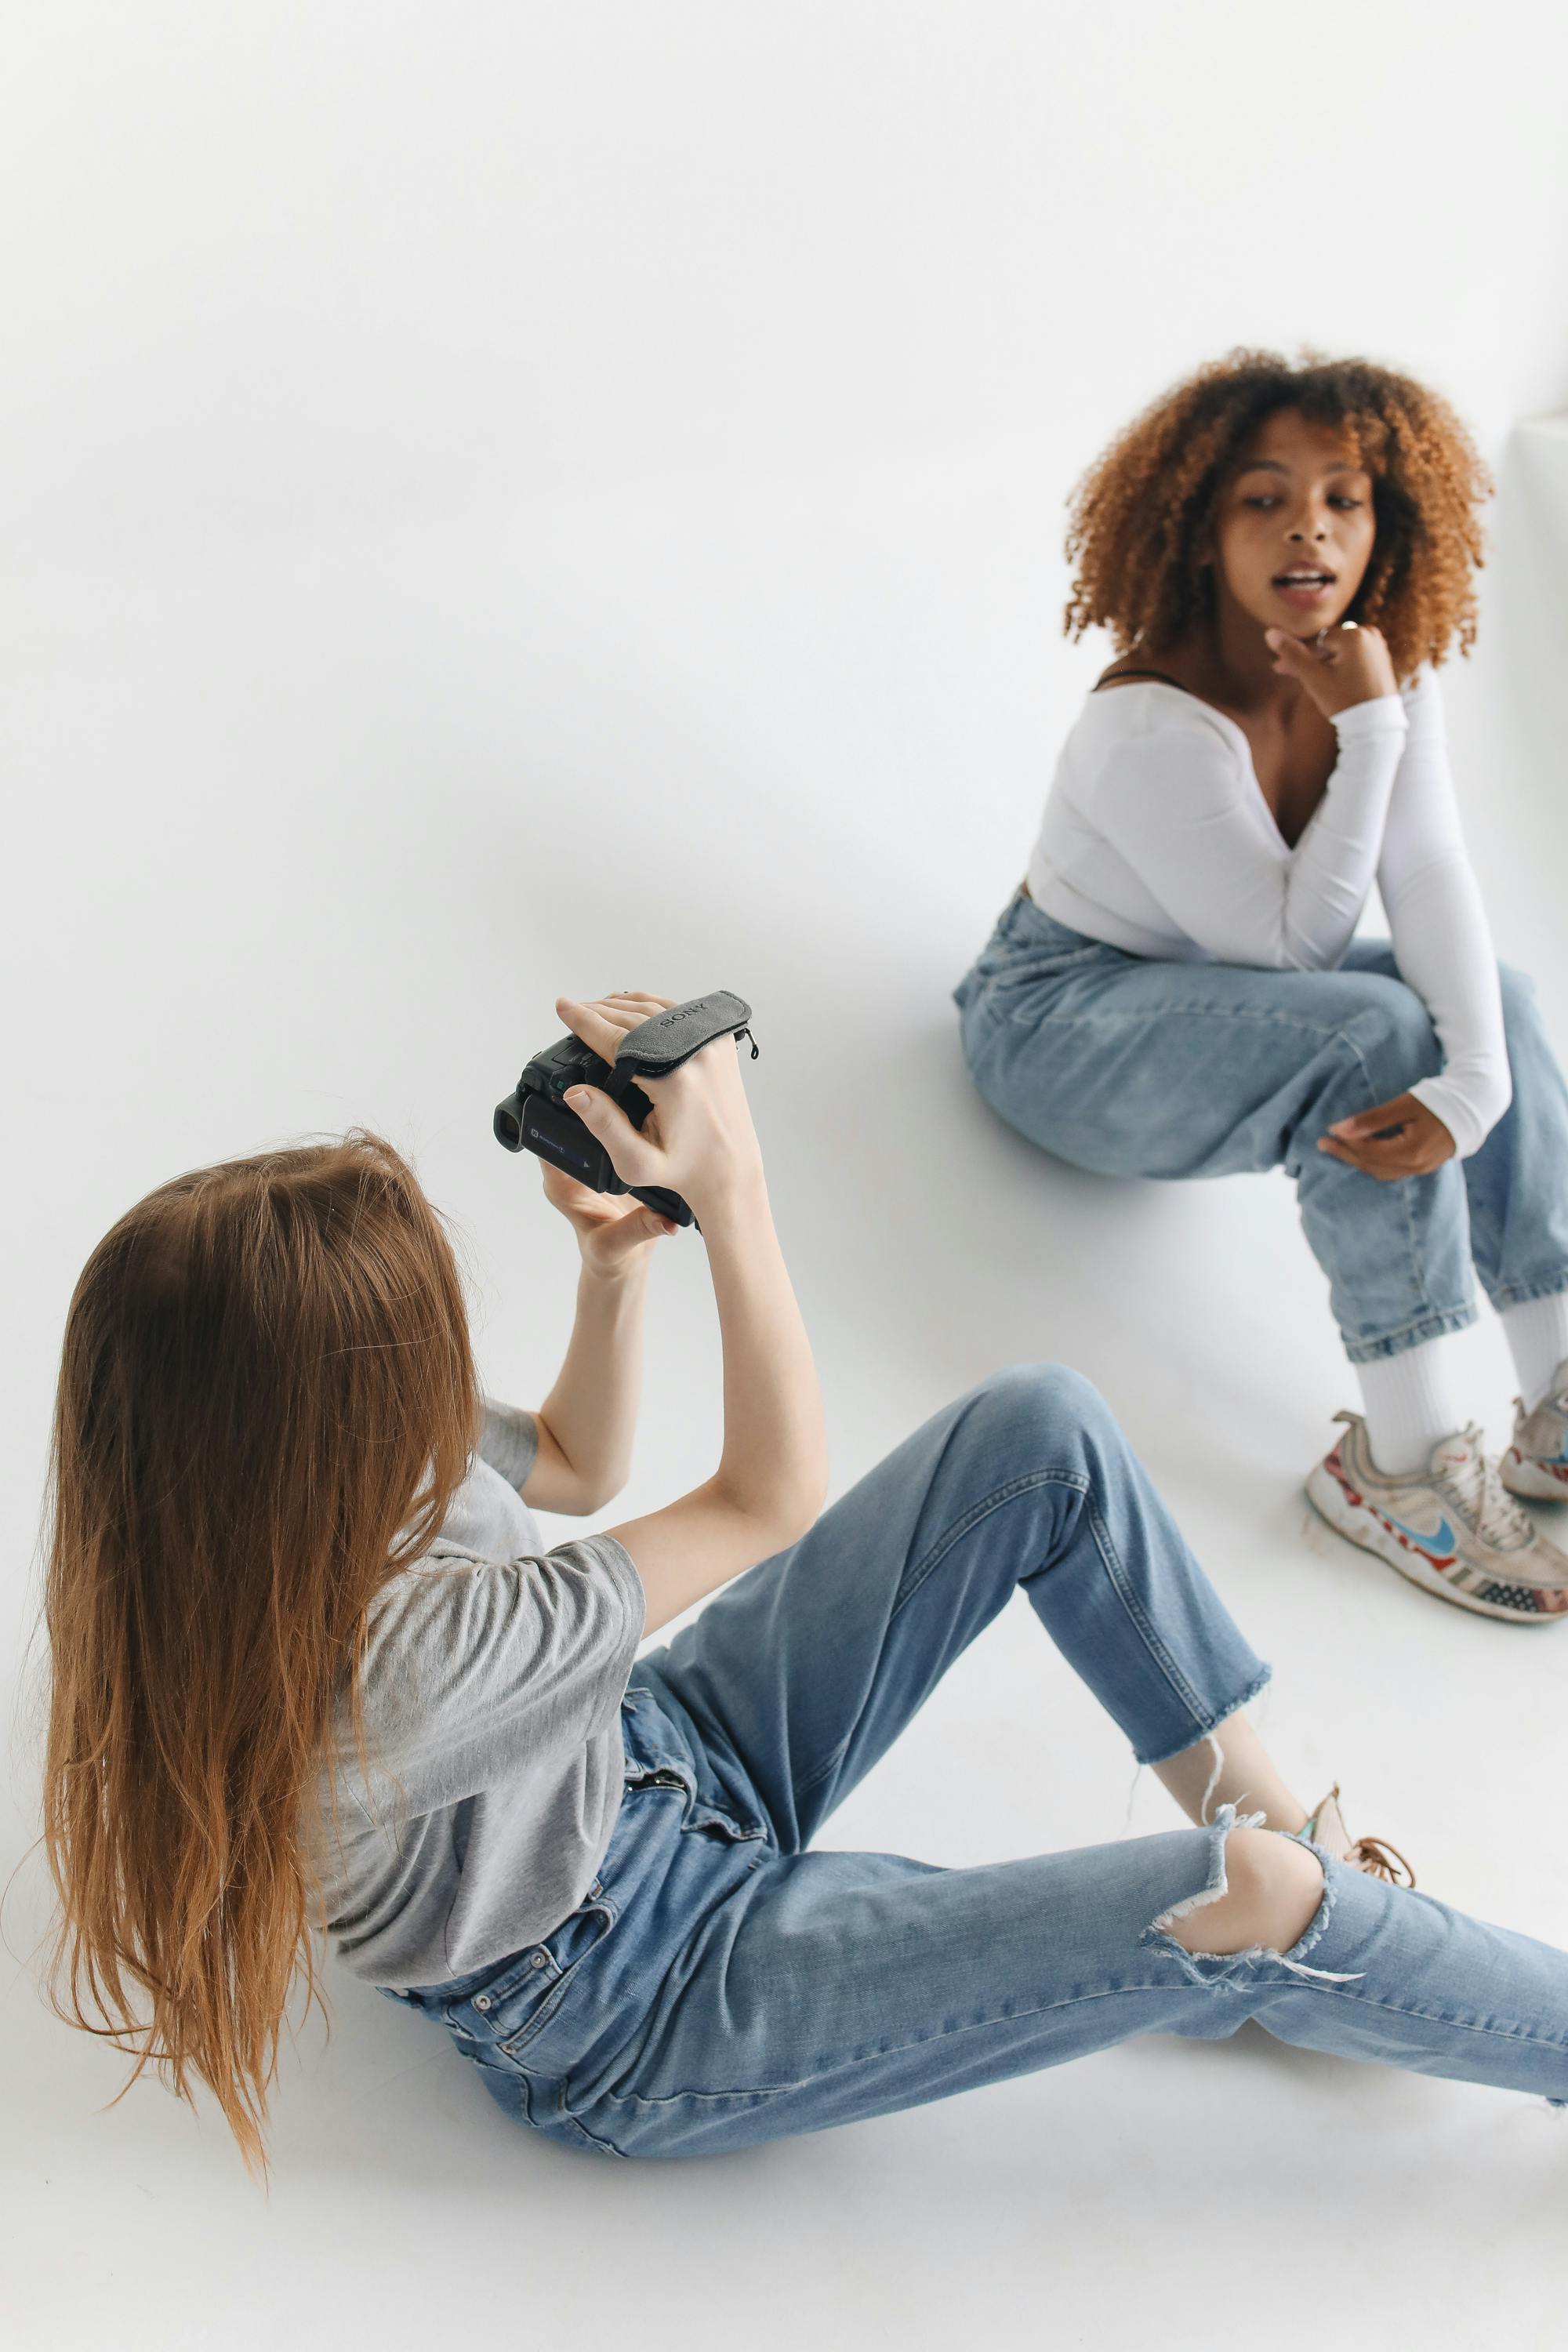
x=1283 y=557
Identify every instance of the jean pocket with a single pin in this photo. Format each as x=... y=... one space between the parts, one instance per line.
x=702 y=1807
x=504 y=2014
x=666 y=1765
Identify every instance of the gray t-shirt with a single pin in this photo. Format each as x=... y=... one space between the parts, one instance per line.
x=491 y=1690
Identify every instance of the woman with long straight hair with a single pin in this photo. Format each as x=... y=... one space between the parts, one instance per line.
x=1282 y=557
x=313 y=1668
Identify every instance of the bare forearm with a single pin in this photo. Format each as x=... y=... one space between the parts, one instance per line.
x=774 y=1465
x=592 y=1410
x=772 y=1469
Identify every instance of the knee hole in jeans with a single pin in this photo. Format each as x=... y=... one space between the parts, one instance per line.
x=1272 y=1892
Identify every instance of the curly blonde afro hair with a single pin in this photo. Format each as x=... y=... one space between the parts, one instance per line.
x=1139 y=513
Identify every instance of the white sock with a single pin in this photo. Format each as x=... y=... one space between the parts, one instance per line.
x=1409 y=1404
x=1537 y=1331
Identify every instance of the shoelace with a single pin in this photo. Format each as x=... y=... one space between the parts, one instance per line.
x=1378 y=1859
x=1476 y=1490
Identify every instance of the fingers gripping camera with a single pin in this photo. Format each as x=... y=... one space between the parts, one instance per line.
x=536 y=1118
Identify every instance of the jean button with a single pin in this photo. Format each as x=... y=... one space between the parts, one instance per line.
x=538 y=1961
x=482 y=2000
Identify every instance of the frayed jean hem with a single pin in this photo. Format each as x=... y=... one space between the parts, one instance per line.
x=1205 y=1730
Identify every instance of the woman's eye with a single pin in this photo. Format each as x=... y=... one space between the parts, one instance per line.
x=1262 y=500
x=1342 y=501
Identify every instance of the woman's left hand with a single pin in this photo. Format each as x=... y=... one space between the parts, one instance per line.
x=613 y=1232
x=1420 y=1142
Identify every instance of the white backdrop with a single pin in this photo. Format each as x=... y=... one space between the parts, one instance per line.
x=498 y=498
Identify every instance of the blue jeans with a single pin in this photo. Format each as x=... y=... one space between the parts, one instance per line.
x=1134 y=1067
x=722 y=1983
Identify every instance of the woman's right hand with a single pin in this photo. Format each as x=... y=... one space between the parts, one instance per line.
x=1351 y=666
x=698 y=1140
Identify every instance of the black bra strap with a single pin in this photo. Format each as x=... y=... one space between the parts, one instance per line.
x=1158 y=674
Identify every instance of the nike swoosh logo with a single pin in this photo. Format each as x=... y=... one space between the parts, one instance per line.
x=1444 y=1539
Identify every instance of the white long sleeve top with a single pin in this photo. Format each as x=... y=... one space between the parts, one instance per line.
x=1157 y=839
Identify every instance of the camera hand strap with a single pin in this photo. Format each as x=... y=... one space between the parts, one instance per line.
x=658 y=1046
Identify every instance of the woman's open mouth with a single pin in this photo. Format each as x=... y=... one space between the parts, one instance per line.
x=1303 y=585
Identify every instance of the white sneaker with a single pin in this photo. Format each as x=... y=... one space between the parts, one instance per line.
x=1536 y=1463
x=1450 y=1527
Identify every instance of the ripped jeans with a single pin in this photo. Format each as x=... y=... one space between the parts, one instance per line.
x=723 y=1983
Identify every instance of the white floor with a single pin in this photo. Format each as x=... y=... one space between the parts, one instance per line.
x=504 y=498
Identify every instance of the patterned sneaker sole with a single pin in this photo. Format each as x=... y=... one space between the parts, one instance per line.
x=1359 y=1522
x=1542 y=1482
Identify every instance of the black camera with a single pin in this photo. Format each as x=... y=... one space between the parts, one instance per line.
x=536 y=1118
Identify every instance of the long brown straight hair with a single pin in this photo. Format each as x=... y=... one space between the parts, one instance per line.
x=266 y=1400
